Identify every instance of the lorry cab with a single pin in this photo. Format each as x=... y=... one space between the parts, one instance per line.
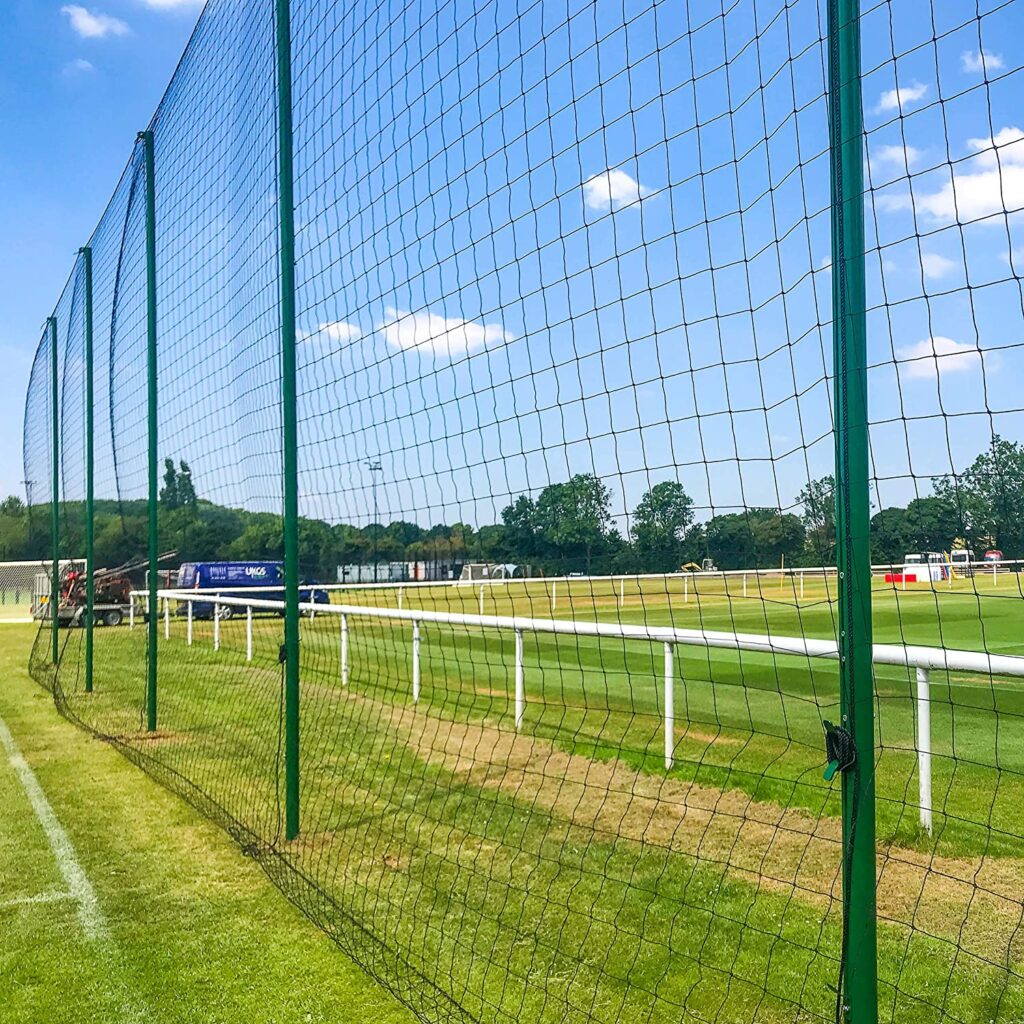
x=924 y=567
x=962 y=561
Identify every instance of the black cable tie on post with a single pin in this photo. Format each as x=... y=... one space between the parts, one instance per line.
x=839 y=749
x=282 y=654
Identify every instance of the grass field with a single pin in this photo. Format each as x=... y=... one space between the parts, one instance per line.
x=195 y=931
x=558 y=872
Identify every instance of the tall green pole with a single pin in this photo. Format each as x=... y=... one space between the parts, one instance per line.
x=51 y=324
x=286 y=212
x=151 y=410
x=90 y=533
x=846 y=128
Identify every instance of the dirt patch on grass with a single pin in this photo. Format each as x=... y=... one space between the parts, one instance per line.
x=976 y=901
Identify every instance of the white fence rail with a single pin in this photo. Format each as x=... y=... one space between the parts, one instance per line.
x=922 y=659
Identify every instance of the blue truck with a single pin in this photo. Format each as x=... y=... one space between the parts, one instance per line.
x=231 y=578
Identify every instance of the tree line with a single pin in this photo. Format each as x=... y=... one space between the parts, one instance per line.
x=567 y=527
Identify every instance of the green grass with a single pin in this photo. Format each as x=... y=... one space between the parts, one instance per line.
x=198 y=933
x=561 y=873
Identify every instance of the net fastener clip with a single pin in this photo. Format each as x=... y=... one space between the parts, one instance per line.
x=839 y=749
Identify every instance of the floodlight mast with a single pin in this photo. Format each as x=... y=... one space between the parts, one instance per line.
x=374 y=466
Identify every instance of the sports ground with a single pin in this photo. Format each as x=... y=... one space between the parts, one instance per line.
x=564 y=851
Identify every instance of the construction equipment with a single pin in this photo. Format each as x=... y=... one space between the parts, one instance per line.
x=112 y=597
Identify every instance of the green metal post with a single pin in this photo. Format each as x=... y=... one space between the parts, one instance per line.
x=51 y=324
x=90 y=585
x=151 y=412
x=286 y=212
x=860 y=981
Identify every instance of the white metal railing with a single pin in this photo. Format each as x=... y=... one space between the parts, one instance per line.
x=794 y=575
x=922 y=659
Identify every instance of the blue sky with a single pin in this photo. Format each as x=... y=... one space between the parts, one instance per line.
x=70 y=106
x=543 y=239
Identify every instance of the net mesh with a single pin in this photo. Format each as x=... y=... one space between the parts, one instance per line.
x=565 y=457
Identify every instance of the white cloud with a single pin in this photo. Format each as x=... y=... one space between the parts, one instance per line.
x=174 y=5
x=901 y=157
x=78 y=66
x=935 y=266
x=980 y=61
x=438 y=335
x=925 y=360
x=987 y=183
x=612 y=190
x=337 y=331
x=897 y=99
x=93 y=24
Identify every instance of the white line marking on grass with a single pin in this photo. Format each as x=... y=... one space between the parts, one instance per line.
x=80 y=889
x=43 y=897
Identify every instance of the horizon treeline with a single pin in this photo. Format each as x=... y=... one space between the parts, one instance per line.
x=567 y=527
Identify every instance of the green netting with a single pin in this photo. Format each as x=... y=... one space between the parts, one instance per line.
x=566 y=461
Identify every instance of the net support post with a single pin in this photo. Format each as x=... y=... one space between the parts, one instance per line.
x=289 y=419
x=859 y=983
x=415 y=662
x=670 y=706
x=344 y=650
x=90 y=494
x=248 y=632
x=149 y=164
x=51 y=326
x=520 y=681
x=924 y=747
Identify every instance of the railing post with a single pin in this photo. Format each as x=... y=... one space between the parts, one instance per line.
x=216 y=622
x=248 y=632
x=167 y=619
x=670 y=706
x=859 y=971
x=344 y=650
x=146 y=138
x=520 y=681
x=131 y=611
x=189 y=631
x=415 y=662
x=289 y=418
x=90 y=504
x=924 y=747
x=55 y=495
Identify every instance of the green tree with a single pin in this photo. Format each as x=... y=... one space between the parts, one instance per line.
x=891 y=536
x=12 y=507
x=818 y=499
x=169 y=497
x=521 y=540
x=988 y=497
x=755 y=539
x=776 y=536
x=186 y=488
x=659 y=527
x=730 y=542
x=933 y=524
x=573 y=521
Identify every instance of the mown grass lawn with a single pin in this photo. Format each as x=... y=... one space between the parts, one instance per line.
x=197 y=931
x=561 y=871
